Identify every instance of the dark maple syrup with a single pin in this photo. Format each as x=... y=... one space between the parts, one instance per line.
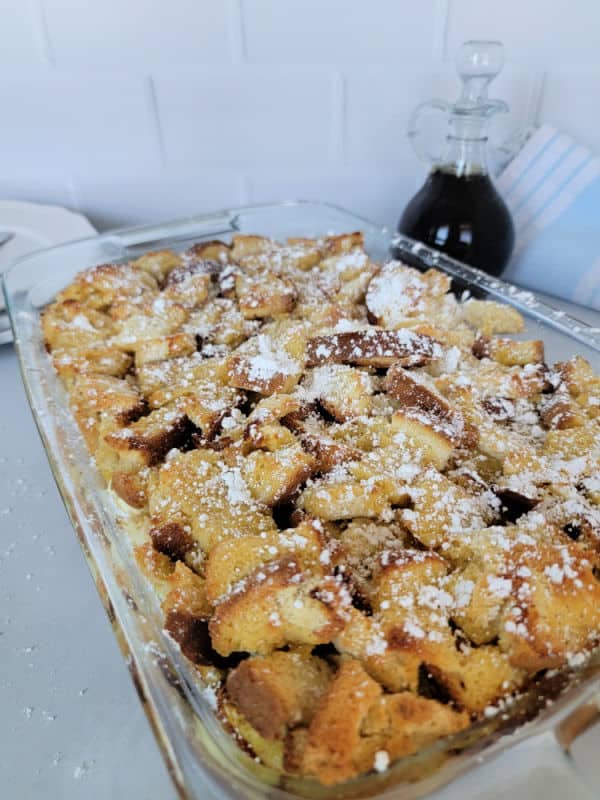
x=464 y=216
x=458 y=210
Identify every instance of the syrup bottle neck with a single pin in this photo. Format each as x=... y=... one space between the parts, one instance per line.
x=466 y=146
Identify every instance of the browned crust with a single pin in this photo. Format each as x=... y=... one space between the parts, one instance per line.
x=131 y=488
x=378 y=348
x=172 y=539
x=255 y=698
x=328 y=453
x=560 y=413
x=413 y=394
x=191 y=634
x=153 y=447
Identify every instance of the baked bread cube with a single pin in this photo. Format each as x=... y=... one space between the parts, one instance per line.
x=554 y=608
x=158 y=264
x=265 y=295
x=98 y=360
x=383 y=654
x=267 y=436
x=189 y=284
x=98 y=399
x=212 y=250
x=266 y=368
x=373 y=348
x=164 y=348
x=344 y=391
x=287 y=607
x=425 y=435
x=264 y=430
x=244 y=245
x=279 y=691
x=273 y=477
x=131 y=488
x=559 y=411
x=327 y=452
x=186 y=613
x=209 y=498
x=345 y=498
x=398 y=294
x=233 y=560
x=334 y=748
x=339 y=747
x=220 y=324
x=508 y=351
x=106 y=284
x=442 y=508
x=577 y=375
x=149 y=321
x=490 y=317
x=209 y=405
x=419 y=400
x=146 y=442
x=155 y=567
x=72 y=326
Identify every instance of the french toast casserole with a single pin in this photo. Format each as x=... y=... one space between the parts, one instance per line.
x=370 y=514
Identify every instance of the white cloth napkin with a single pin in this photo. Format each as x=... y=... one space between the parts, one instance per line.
x=552 y=188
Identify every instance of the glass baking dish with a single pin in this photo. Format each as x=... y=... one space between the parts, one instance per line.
x=202 y=758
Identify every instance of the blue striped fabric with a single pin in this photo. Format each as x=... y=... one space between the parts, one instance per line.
x=552 y=188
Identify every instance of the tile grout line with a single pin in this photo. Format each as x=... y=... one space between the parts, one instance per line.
x=237 y=33
x=440 y=29
x=160 y=138
x=537 y=97
x=337 y=135
x=42 y=33
x=74 y=196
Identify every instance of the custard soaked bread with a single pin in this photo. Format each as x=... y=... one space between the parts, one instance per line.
x=370 y=515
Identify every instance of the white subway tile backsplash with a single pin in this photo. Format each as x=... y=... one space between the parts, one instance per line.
x=567 y=103
x=248 y=116
x=135 y=33
x=74 y=121
x=560 y=31
x=21 y=46
x=136 y=199
x=346 y=31
x=379 y=103
x=377 y=196
x=212 y=103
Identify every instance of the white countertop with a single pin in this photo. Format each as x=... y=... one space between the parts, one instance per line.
x=71 y=725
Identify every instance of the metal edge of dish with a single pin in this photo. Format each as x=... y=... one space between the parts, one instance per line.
x=490 y=737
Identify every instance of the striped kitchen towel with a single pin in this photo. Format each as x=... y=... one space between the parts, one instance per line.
x=552 y=188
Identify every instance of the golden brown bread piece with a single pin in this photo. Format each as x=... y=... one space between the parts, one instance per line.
x=340 y=746
x=373 y=348
x=147 y=441
x=97 y=360
x=287 y=606
x=490 y=317
x=131 y=487
x=279 y=691
x=508 y=351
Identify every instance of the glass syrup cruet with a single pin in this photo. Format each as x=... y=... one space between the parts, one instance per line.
x=458 y=210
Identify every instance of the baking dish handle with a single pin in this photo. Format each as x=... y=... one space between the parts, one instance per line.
x=145 y=236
